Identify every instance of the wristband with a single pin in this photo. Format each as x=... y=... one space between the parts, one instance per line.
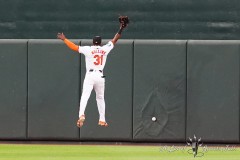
x=120 y=31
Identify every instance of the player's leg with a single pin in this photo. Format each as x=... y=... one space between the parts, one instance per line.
x=86 y=92
x=99 y=88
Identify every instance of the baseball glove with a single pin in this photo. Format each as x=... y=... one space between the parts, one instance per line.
x=124 y=20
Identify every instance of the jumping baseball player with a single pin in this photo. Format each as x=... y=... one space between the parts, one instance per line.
x=95 y=58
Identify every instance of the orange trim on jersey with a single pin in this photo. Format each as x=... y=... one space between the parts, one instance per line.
x=71 y=45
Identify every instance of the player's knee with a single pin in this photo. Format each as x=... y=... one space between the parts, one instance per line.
x=99 y=97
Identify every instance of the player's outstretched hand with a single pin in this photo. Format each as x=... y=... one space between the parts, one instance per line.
x=61 y=36
x=122 y=25
x=124 y=21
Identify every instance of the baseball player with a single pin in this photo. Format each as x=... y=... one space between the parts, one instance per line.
x=95 y=58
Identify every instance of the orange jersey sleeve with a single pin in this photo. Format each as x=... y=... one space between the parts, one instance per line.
x=71 y=45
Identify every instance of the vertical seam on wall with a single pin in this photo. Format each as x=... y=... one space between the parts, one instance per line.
x=132 y=84
x=186 y=98
x=27 y=95
x=238 y=96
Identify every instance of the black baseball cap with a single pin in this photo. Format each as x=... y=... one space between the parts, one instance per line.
x=97 y=40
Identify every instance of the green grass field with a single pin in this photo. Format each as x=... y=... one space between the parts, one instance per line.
x=106 y=152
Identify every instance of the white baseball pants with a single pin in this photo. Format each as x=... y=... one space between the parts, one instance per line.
x=93 y=79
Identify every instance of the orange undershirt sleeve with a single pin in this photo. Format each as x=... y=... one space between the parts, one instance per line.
x=71 y=45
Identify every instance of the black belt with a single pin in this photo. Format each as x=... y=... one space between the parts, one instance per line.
x=91 y=70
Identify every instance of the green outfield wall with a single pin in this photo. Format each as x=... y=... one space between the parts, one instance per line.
x=190 y=86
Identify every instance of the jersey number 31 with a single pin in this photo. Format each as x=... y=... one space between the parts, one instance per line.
x=99 y=59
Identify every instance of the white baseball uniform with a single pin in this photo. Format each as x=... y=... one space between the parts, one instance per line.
x=95 y=58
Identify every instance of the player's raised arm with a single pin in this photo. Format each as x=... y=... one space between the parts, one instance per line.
x=123 y=24
x=117 y=36
x=70 y=44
